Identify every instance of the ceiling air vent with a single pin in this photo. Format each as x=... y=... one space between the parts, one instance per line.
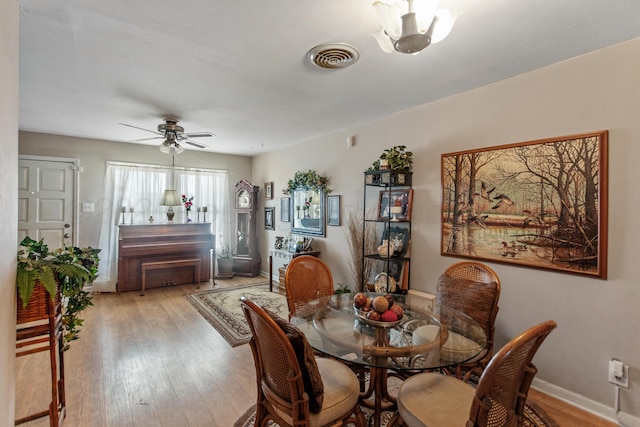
x=333 y=55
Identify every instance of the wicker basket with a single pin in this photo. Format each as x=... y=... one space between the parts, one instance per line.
x=40 y=305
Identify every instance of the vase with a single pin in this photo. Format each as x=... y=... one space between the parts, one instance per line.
x=386 y=249
x=188 y=219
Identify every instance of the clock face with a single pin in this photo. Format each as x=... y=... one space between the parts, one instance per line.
x=244 y=199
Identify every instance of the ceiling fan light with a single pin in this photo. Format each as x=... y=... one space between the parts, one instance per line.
x=171 y=147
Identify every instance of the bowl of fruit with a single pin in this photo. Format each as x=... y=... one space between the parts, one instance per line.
x=381 y=311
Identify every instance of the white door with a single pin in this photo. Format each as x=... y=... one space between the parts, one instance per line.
x=46 y=191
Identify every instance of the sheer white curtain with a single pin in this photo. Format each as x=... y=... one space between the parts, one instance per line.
x=138 y=188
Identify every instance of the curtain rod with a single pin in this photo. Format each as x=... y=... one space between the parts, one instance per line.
x=149 y=165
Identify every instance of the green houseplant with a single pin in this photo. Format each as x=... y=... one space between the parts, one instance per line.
x=64 y=272
x=309 y=179
x=397 y=157
x=224 y=257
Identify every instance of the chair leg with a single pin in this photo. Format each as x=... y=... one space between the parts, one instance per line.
x=396 y=420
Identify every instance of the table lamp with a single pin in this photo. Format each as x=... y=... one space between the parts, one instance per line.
x=170 y=198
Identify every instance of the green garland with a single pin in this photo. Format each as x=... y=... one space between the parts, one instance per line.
x=309 y=179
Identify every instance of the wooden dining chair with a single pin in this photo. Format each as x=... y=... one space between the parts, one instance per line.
x=436 y=400
x=474 y=289
x=295 y=388
x=309 y=285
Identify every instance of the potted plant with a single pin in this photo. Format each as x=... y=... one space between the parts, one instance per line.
x=59 y=275
x=396 y=158
x=224 y=257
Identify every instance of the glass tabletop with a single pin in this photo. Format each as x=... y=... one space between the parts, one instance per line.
x=424 y=338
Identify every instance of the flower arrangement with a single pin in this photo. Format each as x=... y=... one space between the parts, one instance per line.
x=188 y=203
x=306 y=206
x=309 y=179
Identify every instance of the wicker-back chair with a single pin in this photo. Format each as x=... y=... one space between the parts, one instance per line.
x=439 y=400
x=283 y=395
x=474 y=289
x=309 y=285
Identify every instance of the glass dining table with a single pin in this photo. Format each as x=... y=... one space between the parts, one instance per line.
x=425 y=338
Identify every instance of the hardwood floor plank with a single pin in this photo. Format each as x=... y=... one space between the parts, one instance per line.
x=153 y=360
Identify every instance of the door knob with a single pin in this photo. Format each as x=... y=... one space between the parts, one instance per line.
x=67 y=225
x=67 y=235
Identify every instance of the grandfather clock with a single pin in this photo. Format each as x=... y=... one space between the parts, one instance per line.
x=246 y=262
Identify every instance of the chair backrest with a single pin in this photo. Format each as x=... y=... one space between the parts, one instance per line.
x=278 y=372
x=502 y=390
x=309 y=285
x=478 y=302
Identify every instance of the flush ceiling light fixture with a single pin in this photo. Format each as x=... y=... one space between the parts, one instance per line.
x=409 y=26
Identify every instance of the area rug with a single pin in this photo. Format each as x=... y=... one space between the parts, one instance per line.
x=534 y=417
x=221 y=308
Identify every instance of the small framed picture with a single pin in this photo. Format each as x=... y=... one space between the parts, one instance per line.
x=333 y=210
x=293 y=247
x=268 y=190
x=399 y=236
x=396 y=203
x=285 y=208
x=269 y=213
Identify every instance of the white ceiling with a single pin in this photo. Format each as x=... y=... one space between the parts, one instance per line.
x=238 y=68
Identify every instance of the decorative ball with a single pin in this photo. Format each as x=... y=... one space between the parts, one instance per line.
x=390 y=299
x=398 y=310
x=373 y=315
x=360 y=300
x=380 y=304
x=389 y=316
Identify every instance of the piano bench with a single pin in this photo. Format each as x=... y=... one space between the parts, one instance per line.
x=157 y=265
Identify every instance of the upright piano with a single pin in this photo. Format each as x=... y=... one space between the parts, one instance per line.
x=181 y=248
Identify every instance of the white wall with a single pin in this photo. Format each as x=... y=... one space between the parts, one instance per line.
x=598 y=319
x=9 y=20
x=93 y=155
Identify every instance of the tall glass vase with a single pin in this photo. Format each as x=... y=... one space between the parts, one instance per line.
x=188 y=219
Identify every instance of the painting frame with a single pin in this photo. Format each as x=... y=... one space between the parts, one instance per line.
x=269 y=215
x=539 y=204
x=403 y=196
x=268 y=190
x=333 y=210
x=285 y=208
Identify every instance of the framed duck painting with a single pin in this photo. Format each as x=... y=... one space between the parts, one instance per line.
x=540 y=204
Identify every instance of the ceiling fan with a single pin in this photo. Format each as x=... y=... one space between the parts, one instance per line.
x=173 y=134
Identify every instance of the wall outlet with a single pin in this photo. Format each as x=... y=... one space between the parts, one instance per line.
x=618 y=373
x=87 y=207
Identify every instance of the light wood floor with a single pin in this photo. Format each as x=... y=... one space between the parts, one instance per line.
x=154 y=361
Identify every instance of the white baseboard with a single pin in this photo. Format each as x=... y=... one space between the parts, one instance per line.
x=596 y=408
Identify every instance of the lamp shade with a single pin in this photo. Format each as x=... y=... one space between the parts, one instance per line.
x=409 y=26
x=170 y=198
x=170 y=146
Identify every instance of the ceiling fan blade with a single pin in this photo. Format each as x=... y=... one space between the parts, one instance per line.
x=147 y=139
x=200 y=135
x=136 y=127
x=195 y=144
